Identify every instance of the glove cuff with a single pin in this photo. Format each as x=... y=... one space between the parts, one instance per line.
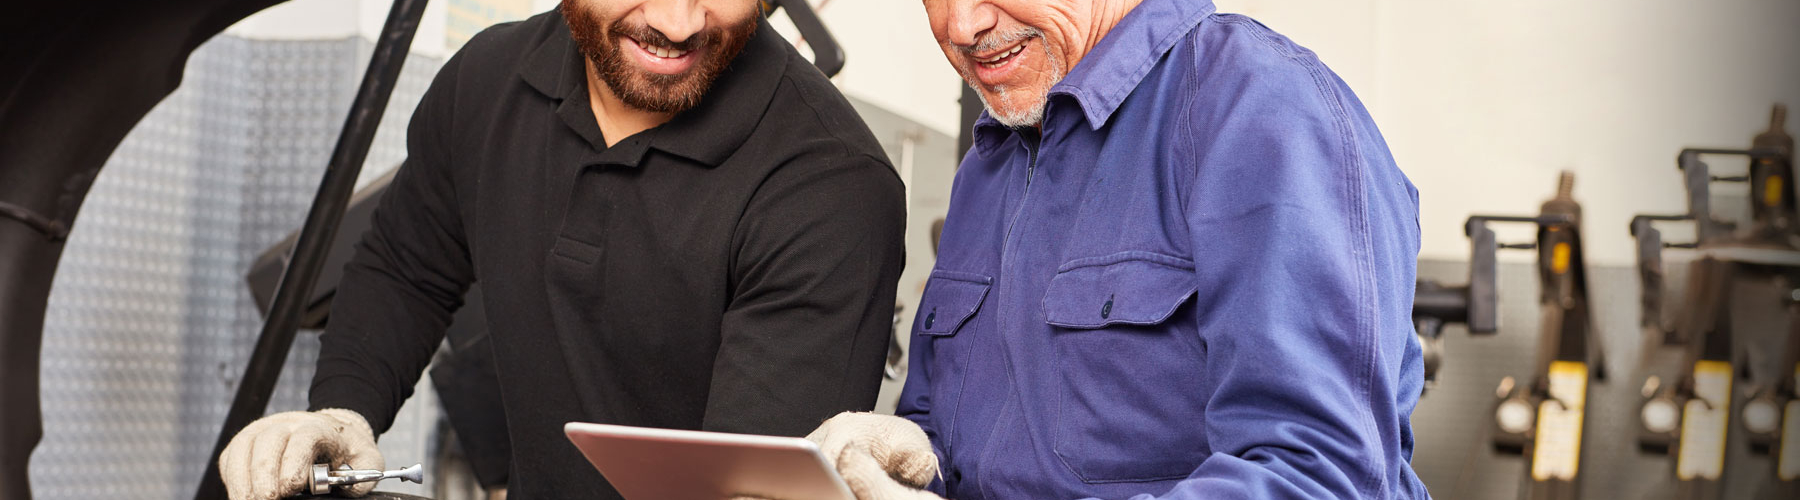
x=349 y=422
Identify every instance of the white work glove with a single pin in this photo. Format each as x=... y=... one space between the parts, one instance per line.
x=881 y=457
x=273 y=456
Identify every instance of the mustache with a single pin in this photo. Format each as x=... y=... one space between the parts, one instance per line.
x=648 y=35
x=993 y=41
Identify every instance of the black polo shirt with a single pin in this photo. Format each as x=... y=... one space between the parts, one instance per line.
x=731 y=270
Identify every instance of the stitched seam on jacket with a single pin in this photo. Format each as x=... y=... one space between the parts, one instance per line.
x=1184 y=148
x=1157 y=258
x=948 y=433
x=1357 y=209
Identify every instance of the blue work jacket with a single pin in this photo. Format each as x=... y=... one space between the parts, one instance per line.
x=1194 y=282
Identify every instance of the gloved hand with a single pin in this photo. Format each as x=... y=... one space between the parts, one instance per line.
x=881 y=457
x=273 y=456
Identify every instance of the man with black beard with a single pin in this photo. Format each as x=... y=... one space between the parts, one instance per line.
x=677 y=221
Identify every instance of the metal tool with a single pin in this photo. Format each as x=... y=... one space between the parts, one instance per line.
x=323 y=478
x=1476 y=304
x=1774 y=217
x=1542 y=416
x=1688 y=417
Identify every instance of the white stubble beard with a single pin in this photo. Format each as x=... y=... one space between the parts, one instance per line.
x=1027 y=116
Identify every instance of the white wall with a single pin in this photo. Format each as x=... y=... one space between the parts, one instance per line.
x=1483 y=102
x=329 y=19
x=892 y=60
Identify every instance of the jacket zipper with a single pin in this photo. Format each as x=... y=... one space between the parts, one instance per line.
x=1032 y=143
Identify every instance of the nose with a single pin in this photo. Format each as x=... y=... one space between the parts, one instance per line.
x=968 y=19
x=676 y=19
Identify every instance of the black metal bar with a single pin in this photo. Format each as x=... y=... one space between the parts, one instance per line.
x=1752 y=153
x=1446 y=304
x=53 y=229
x=827 y=55
x=971 y=105
x=317 y=233
x=1546 y=219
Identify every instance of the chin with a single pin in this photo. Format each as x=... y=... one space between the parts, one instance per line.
x=1011 y=111
x=1019 y=118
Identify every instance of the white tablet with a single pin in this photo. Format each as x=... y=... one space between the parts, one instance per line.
x=665 y=464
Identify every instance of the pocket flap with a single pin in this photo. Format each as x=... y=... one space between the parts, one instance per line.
x=950 y=299
x=1131 y=288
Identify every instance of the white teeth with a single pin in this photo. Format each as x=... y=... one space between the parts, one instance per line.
x=662 y=52
x=1001 y=56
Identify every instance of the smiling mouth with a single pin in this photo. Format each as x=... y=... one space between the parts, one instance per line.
x=1000 y=58
x=662 y=52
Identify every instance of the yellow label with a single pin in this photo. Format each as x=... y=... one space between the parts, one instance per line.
x=1787 y=461
x=1557 y=452
x=1704 y=423
x=1772 y=191
x=1559 y=260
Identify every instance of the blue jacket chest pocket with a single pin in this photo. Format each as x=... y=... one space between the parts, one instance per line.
x=951 y=300
x=1132 y=365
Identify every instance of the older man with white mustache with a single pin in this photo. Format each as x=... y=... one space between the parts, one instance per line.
x=1178 y=263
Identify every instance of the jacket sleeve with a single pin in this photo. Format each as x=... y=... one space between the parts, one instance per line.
x=819 y=251
x=1311 y=365
x=407 y=277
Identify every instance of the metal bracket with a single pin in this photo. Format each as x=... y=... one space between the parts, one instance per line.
x=1483 y=317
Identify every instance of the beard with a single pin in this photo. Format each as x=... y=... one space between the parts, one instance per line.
x=1025 y=107
x=713 y=49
